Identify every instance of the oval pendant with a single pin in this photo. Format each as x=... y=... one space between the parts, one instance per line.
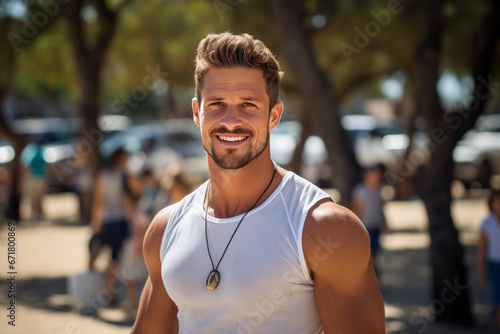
x=213 y=280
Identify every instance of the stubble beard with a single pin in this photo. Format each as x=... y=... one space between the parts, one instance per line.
x=230 y=161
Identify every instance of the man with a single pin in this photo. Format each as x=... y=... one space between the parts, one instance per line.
x=256 y=249
x=368 y=205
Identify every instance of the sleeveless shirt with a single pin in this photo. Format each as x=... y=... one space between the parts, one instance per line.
x=265 y=286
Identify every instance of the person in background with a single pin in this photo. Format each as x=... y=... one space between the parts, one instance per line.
x=37 y=183
x=488 y=251
x=82 y=182
x=178 y=188
x=133 y=265
x=112 y=207
x=4 y=192
x=132 y=260
x=368 y=205
x=150 y=189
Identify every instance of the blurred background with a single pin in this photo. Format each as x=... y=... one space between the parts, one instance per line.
x=411 y=85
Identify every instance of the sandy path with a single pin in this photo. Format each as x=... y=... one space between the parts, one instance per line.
x=48 y=252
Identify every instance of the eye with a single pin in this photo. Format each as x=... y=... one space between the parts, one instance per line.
x=215 y=105
x=248 y=104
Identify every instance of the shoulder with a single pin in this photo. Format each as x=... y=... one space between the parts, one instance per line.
x=154 y=234
x=333 y=230
x=329 y=218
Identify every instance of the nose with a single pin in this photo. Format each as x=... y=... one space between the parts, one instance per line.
x=231 y=118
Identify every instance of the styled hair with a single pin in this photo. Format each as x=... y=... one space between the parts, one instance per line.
x=227 y=50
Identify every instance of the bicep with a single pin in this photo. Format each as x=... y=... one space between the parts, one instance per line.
x=358 y=309
x=157 y=312
x=346 y=290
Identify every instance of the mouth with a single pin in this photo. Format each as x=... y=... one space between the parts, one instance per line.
x=232 y=139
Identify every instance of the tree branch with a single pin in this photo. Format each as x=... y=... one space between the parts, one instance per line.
x=76 y=32
x=108 y=20
x=361 y=80
x=483 y=53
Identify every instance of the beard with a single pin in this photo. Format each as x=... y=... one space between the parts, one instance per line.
x=229 y=159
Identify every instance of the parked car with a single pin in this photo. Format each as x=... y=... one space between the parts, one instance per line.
x=477 y=155
x=374 y=142
x=57 y=138
x=158 y=146
x=6 y=152
x=285 y=137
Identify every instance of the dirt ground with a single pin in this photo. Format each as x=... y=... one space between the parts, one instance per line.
x=48 y=252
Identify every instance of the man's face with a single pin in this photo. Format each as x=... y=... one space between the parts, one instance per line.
x=373 y=177
x=234 y=116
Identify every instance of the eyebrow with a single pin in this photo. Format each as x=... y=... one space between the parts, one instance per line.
x=214 y=98
x=244 y=98
x=249 y=98
x=218 y=98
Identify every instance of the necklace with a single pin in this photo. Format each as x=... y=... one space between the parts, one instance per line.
x=213 y=278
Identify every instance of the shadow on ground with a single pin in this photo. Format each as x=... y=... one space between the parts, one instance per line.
x=51 y=294
x=404 y=277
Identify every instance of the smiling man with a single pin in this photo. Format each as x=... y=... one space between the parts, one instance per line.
x=256 y=248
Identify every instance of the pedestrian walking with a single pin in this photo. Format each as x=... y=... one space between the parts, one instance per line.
x=368 y=205
x=37 y=183
x=112 y=207
x=488 y=254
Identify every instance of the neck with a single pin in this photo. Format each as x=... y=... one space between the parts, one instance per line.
x=233 y=191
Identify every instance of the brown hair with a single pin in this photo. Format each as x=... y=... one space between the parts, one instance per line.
x=228 y=50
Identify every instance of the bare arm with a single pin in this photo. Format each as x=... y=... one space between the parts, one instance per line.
x=481 y=258
x=98 y=205
x=157 y=312
x=346 y=292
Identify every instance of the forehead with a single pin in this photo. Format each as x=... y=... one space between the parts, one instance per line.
x=243 y=81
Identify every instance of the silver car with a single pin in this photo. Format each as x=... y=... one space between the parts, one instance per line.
x=477 y=154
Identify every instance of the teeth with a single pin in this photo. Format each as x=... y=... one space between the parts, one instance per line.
x=231 y=138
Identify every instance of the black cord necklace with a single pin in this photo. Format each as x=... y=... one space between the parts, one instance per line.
x=213 y=278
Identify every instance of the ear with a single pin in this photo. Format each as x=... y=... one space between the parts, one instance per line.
x=275 y=116
x=196 y=111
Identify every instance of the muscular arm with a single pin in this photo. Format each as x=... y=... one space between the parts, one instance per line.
x=337 y=249
x=157 y=312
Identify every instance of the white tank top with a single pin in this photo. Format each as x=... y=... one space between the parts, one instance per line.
x=264 y=284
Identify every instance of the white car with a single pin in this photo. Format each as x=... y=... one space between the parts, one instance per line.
x=374 y=142
x=160 y=145
x=477 y=154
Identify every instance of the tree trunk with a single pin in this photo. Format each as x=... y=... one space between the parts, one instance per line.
x=449 y=294
x=315 y=92
x=450 y=297
x=18 y=141
x=15 y=172
x=89 y=62
x=296 y=163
